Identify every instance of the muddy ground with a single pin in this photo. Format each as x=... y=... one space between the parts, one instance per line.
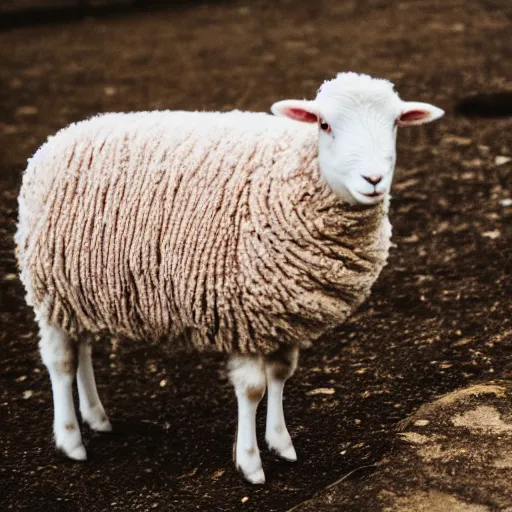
x=438 y=318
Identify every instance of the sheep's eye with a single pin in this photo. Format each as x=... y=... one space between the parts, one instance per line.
x=324 y=126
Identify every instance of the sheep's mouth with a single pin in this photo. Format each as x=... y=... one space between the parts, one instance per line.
x=371 y=198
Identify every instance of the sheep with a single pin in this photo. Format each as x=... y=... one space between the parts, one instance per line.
x=242 y=232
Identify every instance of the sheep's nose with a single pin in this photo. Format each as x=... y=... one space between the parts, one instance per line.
x=374 y=180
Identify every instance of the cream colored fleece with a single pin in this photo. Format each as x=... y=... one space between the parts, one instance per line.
x=215 y=227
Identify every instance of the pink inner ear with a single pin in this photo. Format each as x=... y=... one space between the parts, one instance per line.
x=302 y=115
x=413 y=115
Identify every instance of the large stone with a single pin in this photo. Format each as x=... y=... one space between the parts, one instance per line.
x=452 y=455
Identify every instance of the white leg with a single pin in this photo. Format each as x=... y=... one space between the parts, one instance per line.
x=278 y=368
x=247 y=374
x=91 y=408
x=58 y=353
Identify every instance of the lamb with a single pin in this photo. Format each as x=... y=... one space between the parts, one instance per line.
x=241 y=232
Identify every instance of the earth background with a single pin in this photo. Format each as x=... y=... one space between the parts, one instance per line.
x=438 y=319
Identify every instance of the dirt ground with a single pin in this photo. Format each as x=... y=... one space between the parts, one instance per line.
x=438 y=318
x=453 y=454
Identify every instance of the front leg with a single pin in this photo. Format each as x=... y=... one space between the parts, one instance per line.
x=59 y=354
x=247 y=374
x=279 y=366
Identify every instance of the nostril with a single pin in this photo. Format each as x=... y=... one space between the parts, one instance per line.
x=374 y=180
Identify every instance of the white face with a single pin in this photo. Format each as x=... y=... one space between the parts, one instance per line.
x=357 y=138
x=357 y=148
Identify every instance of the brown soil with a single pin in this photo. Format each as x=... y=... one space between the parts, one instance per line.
x=452 y=455
x=439 y=316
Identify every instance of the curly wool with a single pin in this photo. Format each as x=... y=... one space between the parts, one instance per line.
x=216 y=228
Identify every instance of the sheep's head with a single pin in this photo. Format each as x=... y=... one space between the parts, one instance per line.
x=357 y=118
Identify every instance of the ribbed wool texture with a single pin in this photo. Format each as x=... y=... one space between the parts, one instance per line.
x=215 y=228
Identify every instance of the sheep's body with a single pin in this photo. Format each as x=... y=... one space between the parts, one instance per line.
x=216 y=228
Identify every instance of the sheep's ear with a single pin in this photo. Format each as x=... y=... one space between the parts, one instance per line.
x=415 y=112
x=299 y=110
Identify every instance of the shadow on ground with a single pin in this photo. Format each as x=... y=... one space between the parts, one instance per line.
x=30 y=13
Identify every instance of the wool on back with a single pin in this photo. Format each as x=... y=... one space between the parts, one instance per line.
x=214 y=228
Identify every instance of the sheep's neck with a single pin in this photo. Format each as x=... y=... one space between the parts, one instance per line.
x=312 y=212
x=319 y=257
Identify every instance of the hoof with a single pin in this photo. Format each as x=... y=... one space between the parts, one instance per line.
x=256 y=477
x=100 y=426
x=78 y=453
x=97 y=420
x=248 y=462
x=75 y=453
x=287 y=454
x=283 y=447
x=69 y=441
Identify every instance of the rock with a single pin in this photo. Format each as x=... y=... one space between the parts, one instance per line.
x=321 y=391
x=414 y=437
x=433 y=501
x=501 y=160
x=492 y=234
x=471 y=164
x=458 y=27
x=455 y=139
x=483 y=419
x=411 y=239
x=453 y=454
x=27 y=110
x=8 y=129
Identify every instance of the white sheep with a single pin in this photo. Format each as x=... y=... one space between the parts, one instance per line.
x=243 y=232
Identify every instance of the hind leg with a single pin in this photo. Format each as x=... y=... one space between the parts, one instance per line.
x=59 y=354
x=279 y=366
x=91 y=408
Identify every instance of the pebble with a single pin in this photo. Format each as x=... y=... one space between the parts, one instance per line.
x=16 y=83
x=27 y=394
x=475 y=162
x=421 y=423
x=413 y=437
x=411 y=239
x=218 y=474
x=26 y=110
x=501 y=160
x=321 y=391
x=245 y=499
x=492 y=234
x=9 y=129
x=455 y=139
x=163 y=383
x=506 y=202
